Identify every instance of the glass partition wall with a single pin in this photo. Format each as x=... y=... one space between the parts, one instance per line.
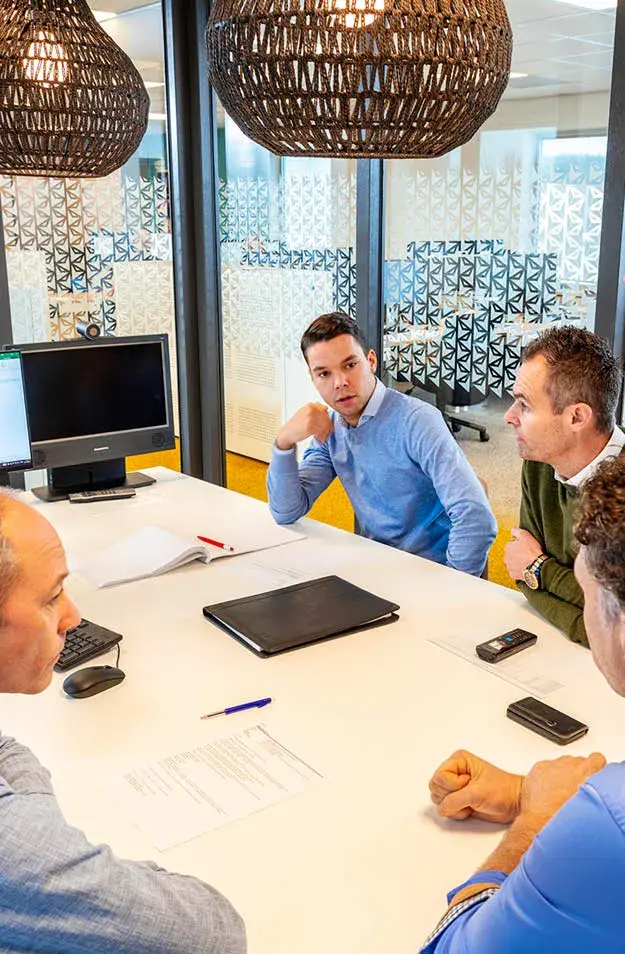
x=99 y=250
x=501 y=238
x=287 y=237
x=503 y=235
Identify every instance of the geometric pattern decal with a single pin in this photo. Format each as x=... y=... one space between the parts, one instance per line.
x=571 y=212
x=287 y=255
x=472 y=248
x=88 y=249
x=445 y=305
x=80 y=229
x=282 y=264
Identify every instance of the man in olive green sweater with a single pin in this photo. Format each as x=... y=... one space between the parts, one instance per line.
x=565 y=399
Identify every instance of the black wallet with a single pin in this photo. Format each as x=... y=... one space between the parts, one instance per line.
x=546 y=721
x=293 y=616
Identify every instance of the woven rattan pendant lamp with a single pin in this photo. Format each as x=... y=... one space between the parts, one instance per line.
x=71 y=101
x=363 y=78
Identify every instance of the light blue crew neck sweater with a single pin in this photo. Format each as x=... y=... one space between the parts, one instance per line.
x=409 y=483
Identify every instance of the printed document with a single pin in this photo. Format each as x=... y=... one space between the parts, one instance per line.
x=184 y=795
x=529 y=670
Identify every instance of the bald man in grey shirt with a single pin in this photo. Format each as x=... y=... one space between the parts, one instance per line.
x=58 y=893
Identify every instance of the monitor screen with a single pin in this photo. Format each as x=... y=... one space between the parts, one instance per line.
x=95 y=390
x=98 y=400
x=15 y=452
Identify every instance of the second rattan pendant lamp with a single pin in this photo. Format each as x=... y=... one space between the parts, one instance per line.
x=71 y=101
x=359 y=78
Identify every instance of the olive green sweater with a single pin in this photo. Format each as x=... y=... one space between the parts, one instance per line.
x=548 y=512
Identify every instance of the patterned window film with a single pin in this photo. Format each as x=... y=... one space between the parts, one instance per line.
x=287 y=229
x=499 y=237
x=98 y=250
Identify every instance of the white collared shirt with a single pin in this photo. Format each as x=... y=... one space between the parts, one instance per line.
x=612 y=449
x=372 y=406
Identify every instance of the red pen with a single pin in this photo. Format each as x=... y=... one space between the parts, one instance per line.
x=216 y=543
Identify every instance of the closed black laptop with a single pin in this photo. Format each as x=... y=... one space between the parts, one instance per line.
x=296 y=615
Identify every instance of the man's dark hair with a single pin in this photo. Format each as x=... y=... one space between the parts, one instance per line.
x=583 y=368
x=327 y=327
x=601 y=529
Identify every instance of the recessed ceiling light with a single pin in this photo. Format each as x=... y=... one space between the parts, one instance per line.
x=512 y=76
x=590 y=4
x=103 y=15
x=151 y=84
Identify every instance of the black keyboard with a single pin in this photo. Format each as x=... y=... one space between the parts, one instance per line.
x=83 y=642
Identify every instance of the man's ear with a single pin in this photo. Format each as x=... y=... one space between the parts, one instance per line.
x=580 y=416
x=372 y=360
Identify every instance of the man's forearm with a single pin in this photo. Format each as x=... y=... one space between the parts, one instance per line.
x=287 y=500
x=566 y=616
x=505 y=857
x=293 y=488
x=514 y=843
x=471 y=536
x=560 y=581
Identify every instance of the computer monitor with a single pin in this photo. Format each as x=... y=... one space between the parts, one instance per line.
x=92 y=403
x=15 y=452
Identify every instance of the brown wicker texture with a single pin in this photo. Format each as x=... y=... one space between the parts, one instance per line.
x=71 y=101
x=363 y=78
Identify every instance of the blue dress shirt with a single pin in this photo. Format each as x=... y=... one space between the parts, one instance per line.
x=567 y=892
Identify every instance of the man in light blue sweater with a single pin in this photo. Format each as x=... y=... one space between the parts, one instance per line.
x=408 y=482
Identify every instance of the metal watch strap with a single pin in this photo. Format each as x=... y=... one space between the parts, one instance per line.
x=536 y=565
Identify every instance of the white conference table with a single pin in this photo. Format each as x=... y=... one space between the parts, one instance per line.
x=360 y=863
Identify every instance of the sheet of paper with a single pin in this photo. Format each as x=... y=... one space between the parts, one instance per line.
x=181 y=796
x=246 y=538
x=163 y=474
x=150 y=551
x=528 y=669
x=273 y=575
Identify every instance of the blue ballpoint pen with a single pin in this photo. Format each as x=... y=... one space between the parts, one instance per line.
x=257 y=704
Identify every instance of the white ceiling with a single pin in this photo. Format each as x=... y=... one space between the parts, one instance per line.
x=138 y=29
x=562 y=46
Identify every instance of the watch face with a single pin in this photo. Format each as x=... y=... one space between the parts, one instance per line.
x=530 y=579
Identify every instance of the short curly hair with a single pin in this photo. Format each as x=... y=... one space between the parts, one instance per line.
x=582 y=367
x=601 y=529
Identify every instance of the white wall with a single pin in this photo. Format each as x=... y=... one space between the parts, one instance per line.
x=566 y=114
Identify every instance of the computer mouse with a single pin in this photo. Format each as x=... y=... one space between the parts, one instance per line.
x=88 y=682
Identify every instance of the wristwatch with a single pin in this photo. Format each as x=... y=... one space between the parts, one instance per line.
x=531 y=573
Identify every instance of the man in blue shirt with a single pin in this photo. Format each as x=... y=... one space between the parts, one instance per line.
x=408 y=482
x=555 y=882
x=61 y=894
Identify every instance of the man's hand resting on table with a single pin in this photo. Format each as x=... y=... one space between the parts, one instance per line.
x=549 y=785
x=465 y=786
x=312 y=420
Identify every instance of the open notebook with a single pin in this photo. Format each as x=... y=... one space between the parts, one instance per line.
x=150 y=551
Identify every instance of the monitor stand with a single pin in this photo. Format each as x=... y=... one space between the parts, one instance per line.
x=63 y=481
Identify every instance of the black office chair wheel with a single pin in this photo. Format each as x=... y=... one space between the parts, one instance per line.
x=484 y=437
x=455 y=428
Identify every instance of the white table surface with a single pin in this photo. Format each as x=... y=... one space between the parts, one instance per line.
x=359 y=864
